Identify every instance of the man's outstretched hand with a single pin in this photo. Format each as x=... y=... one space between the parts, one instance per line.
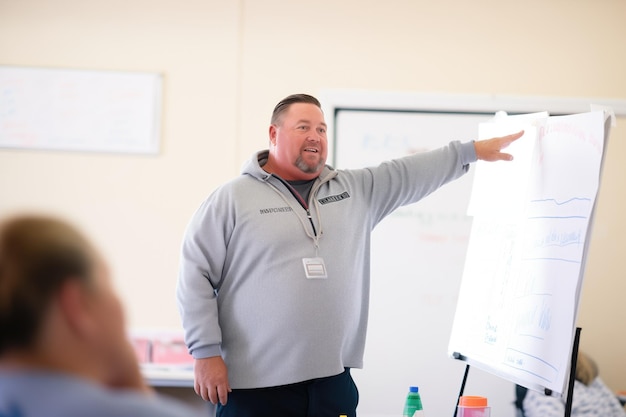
x=490 y=149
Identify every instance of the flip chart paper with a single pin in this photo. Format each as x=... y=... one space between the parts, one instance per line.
x=518 y=299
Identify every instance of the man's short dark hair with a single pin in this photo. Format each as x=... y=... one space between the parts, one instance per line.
x=284 y=104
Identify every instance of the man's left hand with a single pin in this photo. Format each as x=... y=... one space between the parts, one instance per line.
x=490 y=149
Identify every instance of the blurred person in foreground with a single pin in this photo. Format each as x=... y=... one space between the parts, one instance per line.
x=64 y=350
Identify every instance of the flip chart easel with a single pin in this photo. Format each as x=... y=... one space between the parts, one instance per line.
x=525 y=261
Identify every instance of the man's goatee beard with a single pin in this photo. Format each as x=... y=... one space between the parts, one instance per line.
x=308 y=169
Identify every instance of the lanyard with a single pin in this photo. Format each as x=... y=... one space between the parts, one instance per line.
x=313 y=236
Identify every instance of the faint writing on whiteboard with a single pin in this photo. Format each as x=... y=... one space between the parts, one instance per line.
x=78 y=110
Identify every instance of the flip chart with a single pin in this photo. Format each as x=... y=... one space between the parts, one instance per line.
x=519 y=293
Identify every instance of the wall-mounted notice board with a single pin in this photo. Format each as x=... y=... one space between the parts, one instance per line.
x=79 y=110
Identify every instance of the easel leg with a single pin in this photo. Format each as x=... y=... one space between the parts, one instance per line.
x=467 y=367
x=572 y=374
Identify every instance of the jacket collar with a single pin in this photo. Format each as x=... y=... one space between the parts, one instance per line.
x=254 y=168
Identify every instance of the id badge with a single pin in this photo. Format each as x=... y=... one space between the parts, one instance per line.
x=314 y=268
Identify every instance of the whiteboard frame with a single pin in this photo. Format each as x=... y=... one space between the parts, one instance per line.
x=147 y=136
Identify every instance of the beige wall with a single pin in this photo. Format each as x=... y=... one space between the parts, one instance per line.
x=226 y=64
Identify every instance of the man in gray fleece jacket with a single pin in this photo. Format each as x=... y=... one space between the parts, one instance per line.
x=274 y=278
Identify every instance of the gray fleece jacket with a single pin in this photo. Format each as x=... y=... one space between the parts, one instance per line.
x=242 y=291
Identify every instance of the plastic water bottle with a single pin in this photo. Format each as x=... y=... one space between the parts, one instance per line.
x=473 y=406
x=413 y=404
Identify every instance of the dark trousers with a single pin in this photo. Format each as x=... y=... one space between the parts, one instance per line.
x=322 y=397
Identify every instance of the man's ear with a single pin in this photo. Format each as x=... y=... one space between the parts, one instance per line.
x=273 y=135
x=74 y=306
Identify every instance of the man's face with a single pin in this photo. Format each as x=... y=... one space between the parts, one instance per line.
x=299 y=143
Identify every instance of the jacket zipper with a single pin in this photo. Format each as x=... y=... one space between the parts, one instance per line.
x=303 y=203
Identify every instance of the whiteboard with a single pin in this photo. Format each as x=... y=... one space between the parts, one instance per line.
x=79 y=110
x=416 y=266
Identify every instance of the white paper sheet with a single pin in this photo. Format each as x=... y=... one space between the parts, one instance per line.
x=518 y=298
